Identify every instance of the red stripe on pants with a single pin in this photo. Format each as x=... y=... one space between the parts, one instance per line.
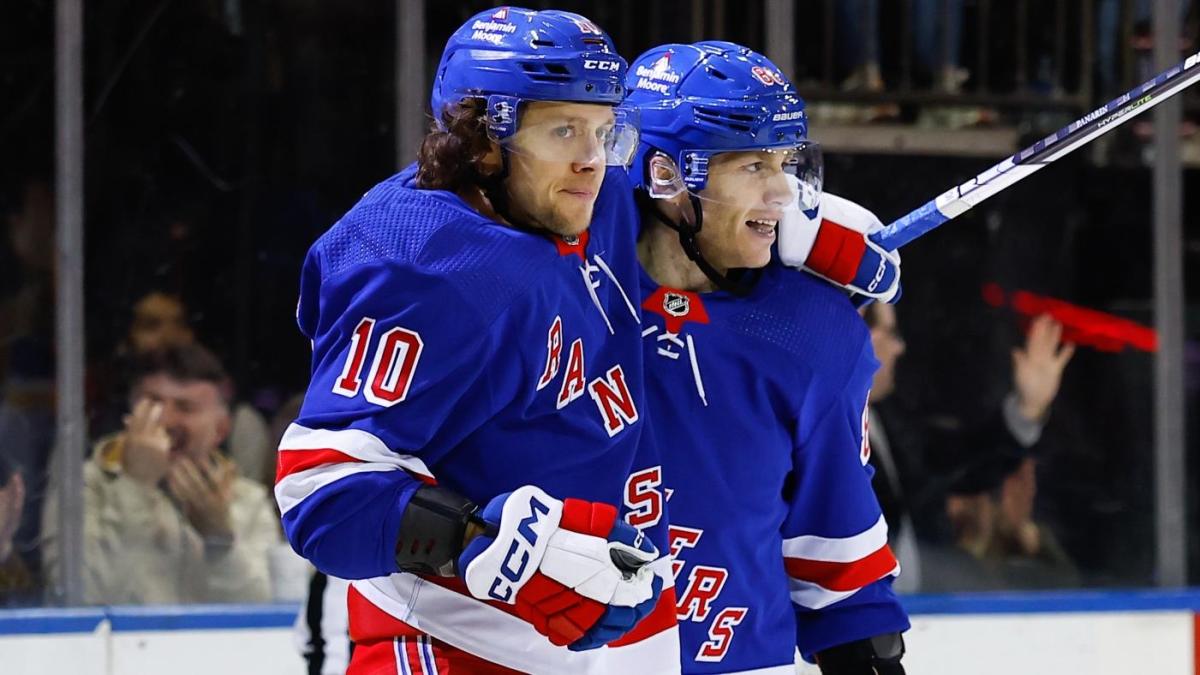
x=379 y=658
x=374 y=630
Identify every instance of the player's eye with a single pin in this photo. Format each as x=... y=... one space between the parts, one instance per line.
x=565 y=131
x=753 y=167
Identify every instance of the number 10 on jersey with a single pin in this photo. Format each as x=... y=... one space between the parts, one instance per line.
x=396 y=356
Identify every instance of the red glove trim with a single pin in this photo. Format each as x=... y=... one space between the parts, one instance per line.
x=591 y=518
x=837 y=252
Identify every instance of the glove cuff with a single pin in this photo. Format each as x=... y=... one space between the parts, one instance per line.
x=431 y=531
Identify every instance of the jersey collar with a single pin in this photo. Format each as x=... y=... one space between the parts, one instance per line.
x=676 y=307
x=576 y=245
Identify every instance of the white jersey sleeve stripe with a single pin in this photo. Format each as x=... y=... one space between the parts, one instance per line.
x=813 y=596
x=843 y=550
x=361 y=445
x=296 y=487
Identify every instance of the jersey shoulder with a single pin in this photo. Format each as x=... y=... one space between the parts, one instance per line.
x=809 y=319
x=433 y=235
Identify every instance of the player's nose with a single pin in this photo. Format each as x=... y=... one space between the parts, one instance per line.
x=778 y=192
x=590 y=156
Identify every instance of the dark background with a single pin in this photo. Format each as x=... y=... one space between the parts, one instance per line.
x=220 y=145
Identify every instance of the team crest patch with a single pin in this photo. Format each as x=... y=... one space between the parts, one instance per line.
x=676 y=304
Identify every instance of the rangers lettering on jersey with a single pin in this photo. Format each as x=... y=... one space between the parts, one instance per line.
x=574 y=381
x=791 y=471
x=643 y=497
x=404 y=393
x=721 y=634
x=702 y=592
x=612 y=397
x=554 y=341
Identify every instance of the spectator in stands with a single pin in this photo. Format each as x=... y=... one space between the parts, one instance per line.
x=858 y=44
x=994 y=525
x=27 y=349
x=160 y=319
x=918 y=467
x=1109 y=34
x=167 y=517
x=937 y=39
x=17 y=585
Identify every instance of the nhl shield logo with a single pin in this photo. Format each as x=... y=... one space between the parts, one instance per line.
x=676 y=304
x=571 y=240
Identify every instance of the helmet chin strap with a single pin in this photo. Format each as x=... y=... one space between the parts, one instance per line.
x=739 y=282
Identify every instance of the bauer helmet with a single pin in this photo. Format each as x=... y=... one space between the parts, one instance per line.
x=696 y=101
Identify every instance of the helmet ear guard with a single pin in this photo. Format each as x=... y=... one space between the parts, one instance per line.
x=663 y=178
x=502 y=116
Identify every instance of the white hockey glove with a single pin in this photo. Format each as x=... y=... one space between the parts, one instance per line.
x=572 y=568
x=835 y=246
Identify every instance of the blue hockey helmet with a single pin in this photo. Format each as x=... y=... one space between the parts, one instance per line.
x=508 y=56
x=695 y=101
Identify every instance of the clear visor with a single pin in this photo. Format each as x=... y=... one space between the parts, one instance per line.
x=747 y=178
x=603 y=141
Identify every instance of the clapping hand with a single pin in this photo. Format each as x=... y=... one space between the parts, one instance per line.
x=204 y=490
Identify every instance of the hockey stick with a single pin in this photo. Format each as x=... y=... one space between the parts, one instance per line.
x=958 y=200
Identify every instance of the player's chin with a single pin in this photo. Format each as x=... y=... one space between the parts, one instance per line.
x=573 y=221
x=753 y=255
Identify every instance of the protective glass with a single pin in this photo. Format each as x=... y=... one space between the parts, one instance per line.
x=803 y=163
x=578 y=140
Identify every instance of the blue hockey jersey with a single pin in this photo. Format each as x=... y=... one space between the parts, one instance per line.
x=452 y=349
x=759 y=406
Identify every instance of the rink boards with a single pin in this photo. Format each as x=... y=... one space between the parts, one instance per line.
x=1098 y=633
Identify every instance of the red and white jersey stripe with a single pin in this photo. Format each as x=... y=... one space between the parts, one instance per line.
x=824 y=570
x=310 y=459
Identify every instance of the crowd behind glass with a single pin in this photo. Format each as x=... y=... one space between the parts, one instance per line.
x=221 y=143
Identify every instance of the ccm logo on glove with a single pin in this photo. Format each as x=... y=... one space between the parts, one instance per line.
x=522 y=547
x=570 y=568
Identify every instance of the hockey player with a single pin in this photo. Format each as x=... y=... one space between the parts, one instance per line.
x=476 y=401
x=758 y=375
